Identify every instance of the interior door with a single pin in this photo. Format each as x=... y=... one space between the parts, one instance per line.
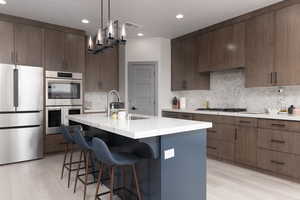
x=141 y=88
x=7 y=88
x=30 y=88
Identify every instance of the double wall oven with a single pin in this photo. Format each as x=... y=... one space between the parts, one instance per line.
x=63 y=98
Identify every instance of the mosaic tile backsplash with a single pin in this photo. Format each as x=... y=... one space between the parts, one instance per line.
x=228 y=91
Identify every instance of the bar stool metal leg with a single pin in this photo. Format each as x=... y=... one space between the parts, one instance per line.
x=99 y=180
x=112 y=175
x=70 y=166
x=86 y=161
x=137 y=186
x=64 y=162
x=78 y=170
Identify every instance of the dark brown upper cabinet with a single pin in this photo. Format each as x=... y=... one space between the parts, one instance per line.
x=185 y=75
x=21 y=44
x=92 y=73
x=28 y=45
x=227 y=47
x=64 y=51
x=203 y=41
x=54 y=50
x=287 y=51
x=102 y=71
x=260 y=44
x=74 y=52
x=7 y=43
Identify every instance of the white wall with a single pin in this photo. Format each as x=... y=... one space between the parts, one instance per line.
x=152 y=49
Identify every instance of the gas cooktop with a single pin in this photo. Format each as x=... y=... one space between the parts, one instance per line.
x=224 y=109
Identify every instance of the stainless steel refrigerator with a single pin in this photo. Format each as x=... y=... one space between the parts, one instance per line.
x=21 y=113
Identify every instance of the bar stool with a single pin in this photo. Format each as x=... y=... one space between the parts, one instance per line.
x=69 y=148
x=84 y=144
x=112 y=160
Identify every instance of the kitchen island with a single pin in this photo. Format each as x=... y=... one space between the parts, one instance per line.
x=174 y=167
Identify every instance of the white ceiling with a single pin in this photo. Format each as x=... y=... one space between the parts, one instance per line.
x=156 y=17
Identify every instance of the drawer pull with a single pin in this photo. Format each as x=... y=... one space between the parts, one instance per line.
x=245 y=122
x=277 y=163
x=210 y=147
x=279 y=125
x=278 y=141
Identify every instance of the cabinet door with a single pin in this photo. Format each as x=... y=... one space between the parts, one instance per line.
x=92 y=73
x=28 y=45
x=245 y=145
x=236 y=48
x=54 y=50
x=260 y=50
x=7 y=43
x=288 y=46
x=74 y=52
x=177 y=69
x=192 y=79
x=203 y=42
x=219 y=55
x=109 y=73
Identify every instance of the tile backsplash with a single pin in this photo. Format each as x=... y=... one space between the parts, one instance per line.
x=228 y=90
x=95 y=100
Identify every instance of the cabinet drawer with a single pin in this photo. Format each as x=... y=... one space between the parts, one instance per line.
x=242 y=121
x=228 y=120
x=297 y=168
x=213 y=132
x=282 y=141
x=208 y=118
x=226 y=150
x=186 y=116
x=213 y=147
x=273 y=124
x=281 y=163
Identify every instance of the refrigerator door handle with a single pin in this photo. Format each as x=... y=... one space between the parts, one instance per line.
x=16 y=87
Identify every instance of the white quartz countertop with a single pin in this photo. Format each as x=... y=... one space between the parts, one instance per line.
x=142 y=128
x=240 y=114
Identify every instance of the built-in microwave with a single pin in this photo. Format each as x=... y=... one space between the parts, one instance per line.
x=56 y=116
x=63 y=88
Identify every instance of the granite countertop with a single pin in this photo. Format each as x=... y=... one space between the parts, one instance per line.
x=240 y=114
x=142 y=128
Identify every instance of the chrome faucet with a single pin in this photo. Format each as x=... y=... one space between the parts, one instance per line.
x=112 y=92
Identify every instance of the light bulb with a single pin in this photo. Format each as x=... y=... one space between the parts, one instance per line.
x=123 y=32
x=99 y=37
x=90 y=43
x=111 y=30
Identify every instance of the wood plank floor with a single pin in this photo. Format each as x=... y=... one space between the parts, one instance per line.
x=39 y=180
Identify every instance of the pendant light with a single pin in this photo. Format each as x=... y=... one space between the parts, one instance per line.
x=107 y=37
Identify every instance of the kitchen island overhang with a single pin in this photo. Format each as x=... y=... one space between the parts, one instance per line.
x=176 y=166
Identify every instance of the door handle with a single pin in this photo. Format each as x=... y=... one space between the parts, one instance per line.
x=16 y=87
x=133 y=108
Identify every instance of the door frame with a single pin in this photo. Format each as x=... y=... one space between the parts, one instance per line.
x=155 y=63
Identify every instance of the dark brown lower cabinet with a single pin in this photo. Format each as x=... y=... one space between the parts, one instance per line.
x=271 y=145
x=278 y=162
x=245 y=145
x=54 y=143
x=226 y=150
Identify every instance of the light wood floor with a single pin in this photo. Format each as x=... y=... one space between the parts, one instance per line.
x=39 y=180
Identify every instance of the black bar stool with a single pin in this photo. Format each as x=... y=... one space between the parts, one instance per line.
x=84 y=144
x=112 y=160
x=69 y=149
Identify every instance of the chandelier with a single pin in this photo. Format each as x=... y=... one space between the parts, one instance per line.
x=108 y=36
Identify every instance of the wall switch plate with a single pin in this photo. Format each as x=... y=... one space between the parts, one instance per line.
x=169 y=153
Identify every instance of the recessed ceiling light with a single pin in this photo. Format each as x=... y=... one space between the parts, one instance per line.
x=85 y=21
x=180 y=16
x=140 y=34
x=3 y=2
